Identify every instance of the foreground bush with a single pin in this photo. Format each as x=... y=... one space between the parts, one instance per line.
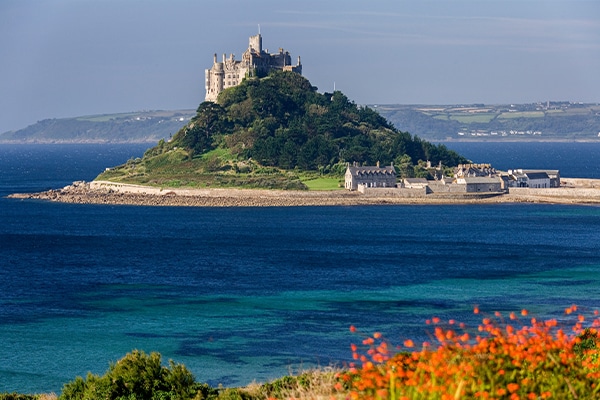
x=138 y=376
x=19 y=396
x=517 y=359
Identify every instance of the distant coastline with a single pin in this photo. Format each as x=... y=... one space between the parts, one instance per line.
x=152 y=141
x=575 y=191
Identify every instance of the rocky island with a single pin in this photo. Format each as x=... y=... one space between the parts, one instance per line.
x=268 y=138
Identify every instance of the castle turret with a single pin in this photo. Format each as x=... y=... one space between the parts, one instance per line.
x=214 y=82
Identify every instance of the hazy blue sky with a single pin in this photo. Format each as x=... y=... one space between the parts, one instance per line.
x=62 y=58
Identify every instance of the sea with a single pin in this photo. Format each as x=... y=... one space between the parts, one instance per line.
x=245 y=294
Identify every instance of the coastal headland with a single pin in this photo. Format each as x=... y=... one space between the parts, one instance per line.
x=573 y=191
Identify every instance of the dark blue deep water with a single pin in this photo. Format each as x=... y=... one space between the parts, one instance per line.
x=243 y=294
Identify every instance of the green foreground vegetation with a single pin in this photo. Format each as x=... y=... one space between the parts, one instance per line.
x=278 y=132
x=143 y=376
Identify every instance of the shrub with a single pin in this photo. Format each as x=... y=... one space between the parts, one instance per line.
x=18 y=396
x=512 y=359
x=137 y=376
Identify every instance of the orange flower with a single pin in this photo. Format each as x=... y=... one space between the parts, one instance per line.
x=524 y=312
x=476 y=310
x=352 y=328
x=435 y=371
x=512 y=387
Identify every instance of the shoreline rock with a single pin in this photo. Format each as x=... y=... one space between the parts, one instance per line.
x=577 y=191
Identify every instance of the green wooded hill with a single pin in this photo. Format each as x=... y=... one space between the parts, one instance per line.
x=133 y=127
x=278 y=126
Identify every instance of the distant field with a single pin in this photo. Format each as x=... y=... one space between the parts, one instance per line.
x=473 y=118
x=140 y=114
x=522 y=114
x=105 y=118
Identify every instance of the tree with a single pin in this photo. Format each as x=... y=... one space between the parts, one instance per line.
x=405 y=166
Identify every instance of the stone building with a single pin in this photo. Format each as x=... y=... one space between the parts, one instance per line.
x=480 y=184
x=370 y=177
x=255 y=61
x=415 y=183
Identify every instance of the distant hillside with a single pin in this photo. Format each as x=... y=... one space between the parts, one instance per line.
x=554 y=121
x=551 y=121
x=144 y=126
x=279 y=126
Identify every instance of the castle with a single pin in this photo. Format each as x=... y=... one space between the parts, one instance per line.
x=255 y=61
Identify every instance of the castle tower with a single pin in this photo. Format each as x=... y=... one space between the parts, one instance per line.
x=255 y=43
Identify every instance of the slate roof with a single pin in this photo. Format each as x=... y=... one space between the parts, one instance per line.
x=537 y=175
x=415 y=180
x=358 y=171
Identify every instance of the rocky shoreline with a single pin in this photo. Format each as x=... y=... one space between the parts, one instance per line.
x=576 y=191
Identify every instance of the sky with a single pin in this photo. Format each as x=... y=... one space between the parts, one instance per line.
x=67 y=58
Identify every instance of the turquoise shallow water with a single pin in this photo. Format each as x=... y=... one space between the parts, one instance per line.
x=247 y=294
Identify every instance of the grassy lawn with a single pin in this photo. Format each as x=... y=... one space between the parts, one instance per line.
x=322 y=183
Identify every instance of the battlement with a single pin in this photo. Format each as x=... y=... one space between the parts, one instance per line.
x=255 y=61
